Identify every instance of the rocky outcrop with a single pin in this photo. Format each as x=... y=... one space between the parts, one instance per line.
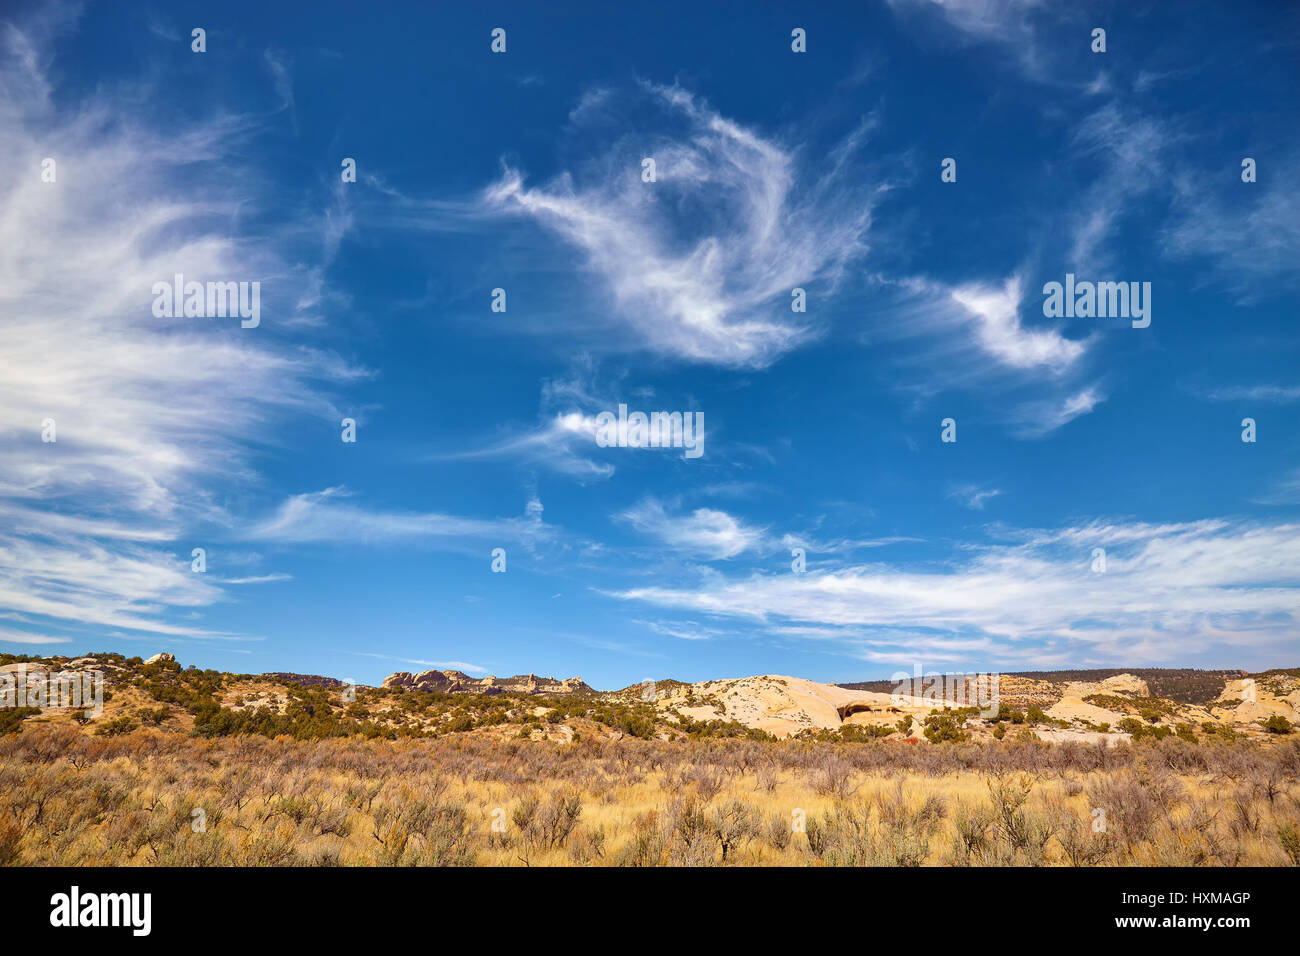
x=1119 y=684
x=453 y=682
x=784 y=706
x=1250 y=701
x=1073 y=705
x=162 y=659
x=438 y=682
x=306 y=680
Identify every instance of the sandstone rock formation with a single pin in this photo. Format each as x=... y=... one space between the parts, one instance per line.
x=1249 y=700
x=1072 y=705
x=451 y=682
x=784 y=706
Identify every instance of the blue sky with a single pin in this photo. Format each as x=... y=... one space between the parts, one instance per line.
x=822 y=429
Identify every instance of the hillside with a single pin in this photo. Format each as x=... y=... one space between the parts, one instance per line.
x=185 y=767
x=1185 y=685
x=452 y=682
x=1056 y=707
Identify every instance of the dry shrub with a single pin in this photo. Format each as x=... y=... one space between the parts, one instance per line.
x=70 y=798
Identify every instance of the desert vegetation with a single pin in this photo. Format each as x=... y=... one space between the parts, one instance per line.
x=1183 y=684
x=192 y=767
x=149 y=796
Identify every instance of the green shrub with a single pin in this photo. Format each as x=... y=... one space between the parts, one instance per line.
x=11 y=718
x=1277 y=724
x=459 y=722
x=1006 y=713
x=944 y=728
x=1141 y=731
x=116 y=727
x=861 y=733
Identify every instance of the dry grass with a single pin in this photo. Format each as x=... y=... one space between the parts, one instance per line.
x=68 y=798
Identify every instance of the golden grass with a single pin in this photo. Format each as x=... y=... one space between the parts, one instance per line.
x=152 y=797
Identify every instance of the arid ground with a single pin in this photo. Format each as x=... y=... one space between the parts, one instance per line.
x=149 y=797
x=187 y=767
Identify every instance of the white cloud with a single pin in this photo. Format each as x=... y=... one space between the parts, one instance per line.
x=713 y=285
x=1006 y=23
x=111 y=585
x=704 y=532
x=259 y=579
x=323 y=517
x=556 y=443
x=1251 y=237
x=280 y=76
x=1168 y=593
x=683 y=630
x=25 y=637
x=970 y=337
x=996 y=320
x=566 y=429
x=1285 y=491
x=150 y=414
x=1273 y=394
x=430 y=665
x=973 y=496
x=1132 y=149
x=1040 y=418
x=815 y=546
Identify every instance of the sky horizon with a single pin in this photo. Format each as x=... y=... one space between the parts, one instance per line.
x=835 y=262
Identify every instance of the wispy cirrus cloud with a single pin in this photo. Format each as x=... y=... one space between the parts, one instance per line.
x=26 y=637
x=1131 y=150
x=557 y=443
x=1168 y=592
x=704 y=532
x=684 y=630
x=1036 y=419
x=1004 y=21
x=975 y=333
x=997 y=328
x=700 y=264
x=565 y=434
x=328 y=517
x=149 y=415
x=85 y=582
x=1009 y=24
x=1250 y=240
x=973 y=496
x=1272 y=394
x=1284 y=491
x=432 y=665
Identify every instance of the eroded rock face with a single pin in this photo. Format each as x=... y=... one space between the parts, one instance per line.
x=784 y=705
x=450 y=682
x=1119 y=684
x=432 y=681
x=307 y=680
x=1249 y=701
x=1073 y=706
x=162 y=659
x=1125 y=684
